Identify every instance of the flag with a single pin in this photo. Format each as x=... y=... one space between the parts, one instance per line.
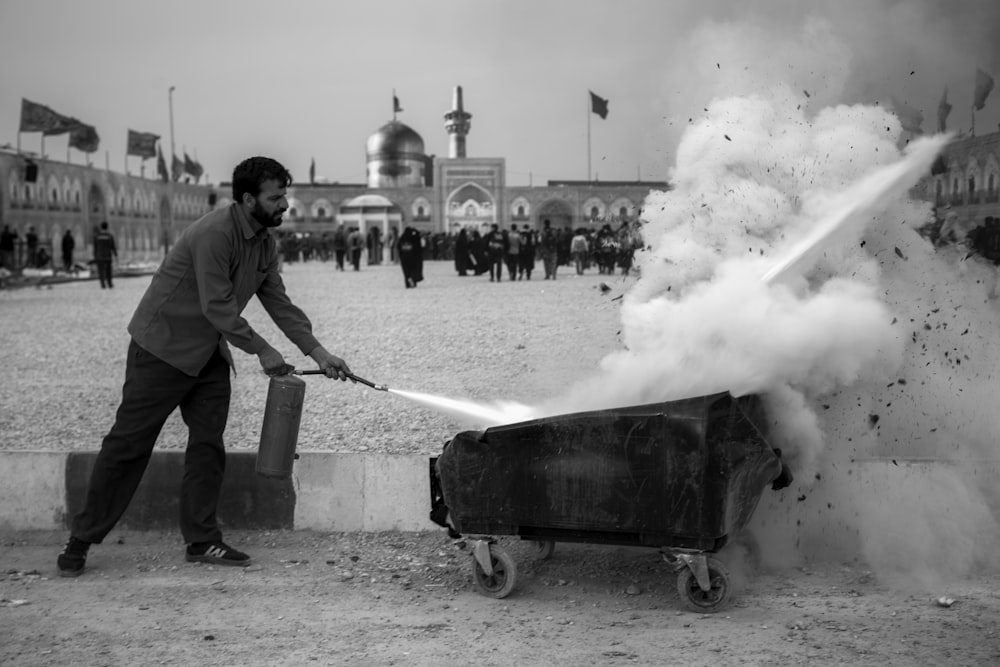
x=192 y=167
x=395 y=104
x=39 y=118
x=984 y=84
x=142 y=144
x=943 y=110
x=911 y=119
x=312 y=171
x=161 y=166
x=598 y=105
x=176 y=168
x=84 y=137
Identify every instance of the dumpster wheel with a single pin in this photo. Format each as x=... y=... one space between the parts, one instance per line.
x=500 y=582
x=543 y=549
x=698 y=600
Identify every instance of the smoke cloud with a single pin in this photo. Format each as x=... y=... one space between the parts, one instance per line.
x=877 y=348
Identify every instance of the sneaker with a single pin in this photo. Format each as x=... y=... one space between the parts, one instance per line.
x=217 y=553
x=73 y=558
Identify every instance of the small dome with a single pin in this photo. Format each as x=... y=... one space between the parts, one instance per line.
x=370 y=201
x=395 y=140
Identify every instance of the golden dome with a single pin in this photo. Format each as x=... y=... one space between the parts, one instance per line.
x=394 y=140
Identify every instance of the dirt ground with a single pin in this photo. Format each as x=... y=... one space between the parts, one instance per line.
x=410 y=599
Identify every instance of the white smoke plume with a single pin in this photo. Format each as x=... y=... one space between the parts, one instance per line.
x=880 y=350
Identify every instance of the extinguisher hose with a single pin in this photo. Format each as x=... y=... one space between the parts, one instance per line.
x=351 y=376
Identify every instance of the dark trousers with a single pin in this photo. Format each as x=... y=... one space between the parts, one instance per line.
x=511 y=262
x=104 y=272
x=152 y=390
x=496 y=266
x=339 y=254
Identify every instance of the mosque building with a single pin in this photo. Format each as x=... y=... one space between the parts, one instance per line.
x=405 y=187
x=408 y=188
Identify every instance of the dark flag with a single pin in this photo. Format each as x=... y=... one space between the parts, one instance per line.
x=142 y=144
x=161 y=166
x=312 y=171
x=984 y=84
x=943 y=110
x=598 y=105
x=191 y=167
x=395 y=104
x=39 y=118
x=84 y=137
x=176 y=168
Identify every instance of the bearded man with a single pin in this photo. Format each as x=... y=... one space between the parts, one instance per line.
x=179 y=356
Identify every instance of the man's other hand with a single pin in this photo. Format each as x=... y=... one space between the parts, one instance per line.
x=273 y=363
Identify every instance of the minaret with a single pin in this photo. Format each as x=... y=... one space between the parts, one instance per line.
x=456 y=122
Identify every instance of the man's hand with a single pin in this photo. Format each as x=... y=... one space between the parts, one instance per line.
x=331 y=365
x=273 y=363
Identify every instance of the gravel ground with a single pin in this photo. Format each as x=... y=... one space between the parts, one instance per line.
x=64 y=354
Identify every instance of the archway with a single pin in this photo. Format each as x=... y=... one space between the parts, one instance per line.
x=557 y=212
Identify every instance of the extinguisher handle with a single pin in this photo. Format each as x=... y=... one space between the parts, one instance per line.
x=352 y=376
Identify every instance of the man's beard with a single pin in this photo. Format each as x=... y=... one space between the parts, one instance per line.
x=263 y=218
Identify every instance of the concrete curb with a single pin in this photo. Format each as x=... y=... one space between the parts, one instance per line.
x=348 y=492
x=42 y=490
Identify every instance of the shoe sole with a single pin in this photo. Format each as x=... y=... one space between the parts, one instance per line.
x=212 y=560
x=70 y=573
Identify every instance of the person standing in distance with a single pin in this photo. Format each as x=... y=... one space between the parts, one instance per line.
x=179 y=357
x=104 y=253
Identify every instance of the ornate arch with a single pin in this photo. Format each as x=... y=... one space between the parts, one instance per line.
x=52 y=190
x=296 y=210
x=470 y=200
x=420 y=209
x=321 y=209
x=520 y=209
x=594 y=209
x=623 y=208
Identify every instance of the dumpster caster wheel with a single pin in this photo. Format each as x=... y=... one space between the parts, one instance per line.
x=705 y=602
x=501 y=582
x=543 y=549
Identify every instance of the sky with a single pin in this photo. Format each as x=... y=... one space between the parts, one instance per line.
x=305 y=80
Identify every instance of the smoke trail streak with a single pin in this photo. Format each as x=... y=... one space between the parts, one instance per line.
x=470 y=412
x=855 y=206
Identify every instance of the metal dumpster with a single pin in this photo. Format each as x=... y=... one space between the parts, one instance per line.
x=682 y=476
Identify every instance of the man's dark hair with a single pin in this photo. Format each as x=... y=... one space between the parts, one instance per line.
x=250 y=174
x=104 y=225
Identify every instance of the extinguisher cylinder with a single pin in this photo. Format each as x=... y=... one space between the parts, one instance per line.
x=280 y=431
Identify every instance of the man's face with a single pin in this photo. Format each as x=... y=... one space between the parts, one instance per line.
x=270 y=204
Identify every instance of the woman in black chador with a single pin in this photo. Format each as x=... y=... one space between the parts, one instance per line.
x=463 y=258
x=411 y=256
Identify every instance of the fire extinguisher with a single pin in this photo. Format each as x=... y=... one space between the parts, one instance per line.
x=282 y=416
x=278 y=435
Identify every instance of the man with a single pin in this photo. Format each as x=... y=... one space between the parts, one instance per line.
x=31 y=240
x=68 y=245
x=549 y=245
x=104 y=253
x=527 y=258
x=179 y=356
x=511 y=254
x=495 y=246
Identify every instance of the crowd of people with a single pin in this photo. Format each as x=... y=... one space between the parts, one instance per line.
x=510 y=253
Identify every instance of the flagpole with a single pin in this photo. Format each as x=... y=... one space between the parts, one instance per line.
x=589 y=103
x=169 y=222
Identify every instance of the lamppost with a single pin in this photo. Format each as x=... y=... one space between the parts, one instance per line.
x=169 y=222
